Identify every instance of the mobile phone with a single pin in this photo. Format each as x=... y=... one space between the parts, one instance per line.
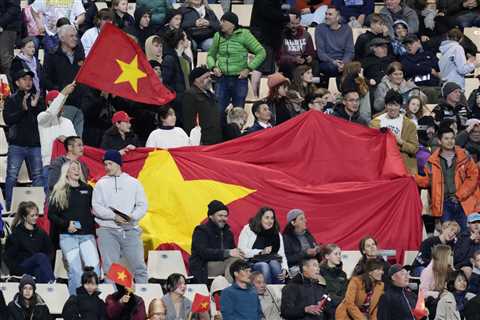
x=77 y=224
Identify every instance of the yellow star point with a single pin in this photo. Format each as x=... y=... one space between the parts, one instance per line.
x=204 y=305
x=176 y=206
x=121 y=275
x=130 y=73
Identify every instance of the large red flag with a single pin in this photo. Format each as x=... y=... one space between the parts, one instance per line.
x=117 y=65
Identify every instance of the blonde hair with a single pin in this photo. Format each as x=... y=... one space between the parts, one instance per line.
x=237 y=115
x=441 y=257
x=155 y=306
x=148 y=47
x=59 y=196
x=448 y=224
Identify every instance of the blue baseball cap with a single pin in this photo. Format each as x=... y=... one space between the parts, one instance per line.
x=474 y=217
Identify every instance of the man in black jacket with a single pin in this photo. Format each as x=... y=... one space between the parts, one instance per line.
x=467 y=244
x=10 y=21
x=20 y=114
x=119 y=136
x=348 y=110
x=305 y=297
x=213 y=245
x=398 y=301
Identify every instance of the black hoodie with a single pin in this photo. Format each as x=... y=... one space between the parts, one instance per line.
x=113 y=140
x=340 y=112
x=396 y=303
x=84 y=306
x=140 y=33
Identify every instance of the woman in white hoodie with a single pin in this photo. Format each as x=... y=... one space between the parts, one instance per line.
x=262 y=244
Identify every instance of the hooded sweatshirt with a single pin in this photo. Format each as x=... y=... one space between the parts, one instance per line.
x=453 y=63
x=136 y=31
x=123 y=193
x=298 y=45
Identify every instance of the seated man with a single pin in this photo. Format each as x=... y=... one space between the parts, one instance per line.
x=349 y=109
x=451 y=106
x=269 y=301
x=213 y=245
x=262 y=115
x=354 y=12
x=395 y=10
x=378 y=29
x=467 y=245
x=334 y=43
x=376 y=61
x=467 y=13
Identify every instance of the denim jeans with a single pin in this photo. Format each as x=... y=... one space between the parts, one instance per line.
x=78 y=248
x=16 y=155
x=468 y=20
x=230 y=89
x=270 y=270
x=452 y=210
x=40 y=267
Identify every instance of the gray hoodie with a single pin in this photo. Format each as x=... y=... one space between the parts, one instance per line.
x=453 y=63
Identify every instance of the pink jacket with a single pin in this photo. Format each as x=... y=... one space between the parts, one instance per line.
x=32 y=28
x=427 y=281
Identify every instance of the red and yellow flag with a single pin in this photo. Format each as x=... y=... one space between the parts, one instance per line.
x=117 y=65
x=200 y=303
x=120 y=275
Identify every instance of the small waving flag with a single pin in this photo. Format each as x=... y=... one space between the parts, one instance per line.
x=200 y=303
x=120 y=275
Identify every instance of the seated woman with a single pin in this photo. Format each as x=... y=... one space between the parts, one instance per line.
x=277 y=100
x=434 y=277
x=236 y=120
x=363 y=294
x=124 y=304
x=368 y=249
x=27 y=304
x=303 y=80
x=28 y=249
x=200 y=23
x=452 y=300
x=167 y=136
x=262 y=244
x=178 y=306
x=299 y=242
x=331 y=271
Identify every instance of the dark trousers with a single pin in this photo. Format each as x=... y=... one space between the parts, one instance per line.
x=40 y=267
x=7 y=44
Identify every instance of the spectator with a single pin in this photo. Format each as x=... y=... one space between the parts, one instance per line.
x=349 y=109
x=377 y=61
x=47 y=14
x=319 y=101
x=86 y=304
x=334 y=43
x=142 y=28
x=394 y=79
x=263 y=116
x=378 y=29
x=299 y=242
x=277 y=99
x=167 y=136
x=352 y=78
x=448 y=234
x=304 y=296
x=403 y=129
x=398 y=301
x=176 y=304
x=91 y=11
x=10 y=24
x=297 y=47
x=466 y=13
x=262 y=244
x=52 y=126
x=219 y=284
x=227 y=57
x=154 y=49
x=369 y=250
x=200 y=23
x=313 y=12
x=427 y=142
x=331 y=271
x=395 y=10
x=74 y=150
x=27 y=304
x=20 y=115
x=447 y=307
x=434 y=277
x=121 y=17
x=172 y=21
x=467 y=244
x=236 y=120
x=469 y=139
x=26 y=59
x=452 y=175
x=199 y=101
x=354 y=12
x=400 y=32
x=119 y=136
x=119 y=202
x=70 y=211
x=474 y=283
x=414 y=109
x=28 y=249
x=157 y=310
x=473 y=103
x=103 y=17
x=269 y=302
x=453 y=64
x=363 y=293
x=124 y=304
x=158 y=8
x=240 y=294
x=303 y=81
x=213 y=245
x=451 y=107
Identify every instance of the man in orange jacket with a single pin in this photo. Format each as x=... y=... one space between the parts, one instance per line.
x=452 y=176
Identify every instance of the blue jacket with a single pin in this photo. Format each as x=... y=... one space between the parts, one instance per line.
x=240 y=304
x=464 y=249
x=420 y=65
x=254 y=128
x=474 y=282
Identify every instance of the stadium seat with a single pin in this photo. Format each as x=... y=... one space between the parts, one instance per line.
x=201 y=58
x=192 y=289
x=244 y=13
x=264 y=90
x=176 y=5
x=250 y=96
x=148 y=292
x=101 y=5
x=3 y=143
x=35 y=194
x=161 y=264
x=105 y=290
x=217 y=8
x=2 y=121
x=2 y=202
x=470 y=85
x=60 y=269
x=55 y=296
x=3 y=169
x=22 y=175
x=276 y=290
x=350 y=260
x=429 y=108
x=474 y=34
x=250 y=118
x=409 y=257
x=9 y=289
x=332 y=85
x=356 y=32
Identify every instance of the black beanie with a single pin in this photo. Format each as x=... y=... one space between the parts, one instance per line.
x=26 y=279
x=114 y=156
x=230 y=17
x=216 y=206
x=197 y=73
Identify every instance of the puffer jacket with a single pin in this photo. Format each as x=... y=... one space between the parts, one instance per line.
x=466 y=175
x=16 y=310
x=230 y=54
x=158 y=8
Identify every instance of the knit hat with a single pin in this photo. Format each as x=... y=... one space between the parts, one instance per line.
x=216 y=206
x=394 y=269
x=276 y=79
x=448 y=88
x=293 y=214
x=114 y=156
x=26 y=279
x=51 y=95
x=197 y=73
x=230 y=17
x=400 y=21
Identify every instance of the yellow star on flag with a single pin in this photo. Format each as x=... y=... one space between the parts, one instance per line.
x=130 y=73
x=176 y=206
x=121 y=276
x=204 y=305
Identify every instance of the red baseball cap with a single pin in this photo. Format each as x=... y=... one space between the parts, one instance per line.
x=51 y=95
x=120 y=116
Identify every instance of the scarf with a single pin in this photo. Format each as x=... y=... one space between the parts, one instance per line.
x=266 y=238
x=429 y=18
x=32 y=66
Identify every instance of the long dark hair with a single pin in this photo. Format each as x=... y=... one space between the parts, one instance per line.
x=452 y=277
x=255 y=222
x=289 y=228
x=368 y=282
